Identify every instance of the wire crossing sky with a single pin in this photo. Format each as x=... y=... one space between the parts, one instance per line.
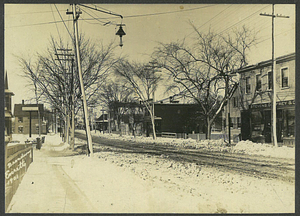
x=28 y=28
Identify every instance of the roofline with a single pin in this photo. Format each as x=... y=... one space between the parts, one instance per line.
x=278 y=60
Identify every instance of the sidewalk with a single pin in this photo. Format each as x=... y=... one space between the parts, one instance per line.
x=80 y=184
x=122 y=182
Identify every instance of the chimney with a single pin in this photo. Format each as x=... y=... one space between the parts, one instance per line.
x=22 y=102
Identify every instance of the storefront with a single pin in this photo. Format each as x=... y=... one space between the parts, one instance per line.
x=261 y=121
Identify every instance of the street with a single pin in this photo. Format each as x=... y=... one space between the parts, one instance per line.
x=131 y=177
x=257 y=166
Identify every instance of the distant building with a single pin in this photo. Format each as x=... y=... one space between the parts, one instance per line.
x=22 y=119
x=8 y=113
x=251 y=104
x=179 y=118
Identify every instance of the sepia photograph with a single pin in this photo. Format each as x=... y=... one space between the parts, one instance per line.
x=149 y=108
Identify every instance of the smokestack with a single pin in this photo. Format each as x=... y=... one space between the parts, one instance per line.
x=22 y=102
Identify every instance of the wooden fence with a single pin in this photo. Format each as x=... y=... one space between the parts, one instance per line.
x=17 y=160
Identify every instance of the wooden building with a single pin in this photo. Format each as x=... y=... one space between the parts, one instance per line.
x=8 y=113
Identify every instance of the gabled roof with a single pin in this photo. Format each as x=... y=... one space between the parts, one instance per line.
x=101 y=117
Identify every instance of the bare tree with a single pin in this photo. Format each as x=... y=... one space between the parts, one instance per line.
x=205 y=70
x=113 y=94
x=55 y=77
x=142 y=79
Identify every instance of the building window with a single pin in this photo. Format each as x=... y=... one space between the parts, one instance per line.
x=235 y=102
x=20 y=129
x=239 y=123
x=270 y=80
x=20 y=119
x=289 y=123
x=248 y=86
x=284 y=77
x=7 y=103
x=258 y=82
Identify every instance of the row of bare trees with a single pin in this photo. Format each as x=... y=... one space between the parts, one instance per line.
x=201 y=71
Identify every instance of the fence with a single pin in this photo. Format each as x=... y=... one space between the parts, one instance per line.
x=17 y=160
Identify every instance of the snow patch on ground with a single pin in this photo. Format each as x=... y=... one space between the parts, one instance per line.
x=113 y=182
x=242 y=147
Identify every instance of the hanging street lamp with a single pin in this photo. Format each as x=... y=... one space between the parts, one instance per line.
x=120 y=33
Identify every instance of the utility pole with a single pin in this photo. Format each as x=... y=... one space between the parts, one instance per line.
x=66 y=89
x=85 y=110
x=72 y=107
x=274 y=118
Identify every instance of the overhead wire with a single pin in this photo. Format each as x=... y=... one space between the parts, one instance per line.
x=63 y=22
x=55 y=20
x=241 y=20
x=210 y=20
x=94 y=18
x=275 y=35
x=35 y=24
x=162 y=13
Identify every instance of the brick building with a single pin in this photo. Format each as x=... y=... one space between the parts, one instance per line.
x=22 y=119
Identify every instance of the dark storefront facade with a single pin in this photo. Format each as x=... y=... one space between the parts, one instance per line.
x=255 y=94
x=261 y=121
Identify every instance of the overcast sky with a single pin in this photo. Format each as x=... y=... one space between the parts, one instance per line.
x=28 y=28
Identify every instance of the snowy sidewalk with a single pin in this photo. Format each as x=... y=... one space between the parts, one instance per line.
x=79 y=184
x=112 y=182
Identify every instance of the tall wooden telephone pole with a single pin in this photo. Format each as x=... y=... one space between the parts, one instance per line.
x=85 y=108
x=274 y=118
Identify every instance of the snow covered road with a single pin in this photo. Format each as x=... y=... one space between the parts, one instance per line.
x=122 y=181
x=251 y=165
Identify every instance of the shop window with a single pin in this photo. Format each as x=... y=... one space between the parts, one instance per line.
x=284 y=78
x=289 y=124
x=20 y=129
x=258 y=82
x=270 y=80
x=248 y=86
x=20 y=119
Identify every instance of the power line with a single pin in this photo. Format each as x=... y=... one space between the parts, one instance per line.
x=103 y=23
x=29 y=13
x=241 y=20
x=55 y=20
x=210 y=20
x=34 y=24
x=63 y=21
x=162 y=13
x=275 y=35
x=110 y=13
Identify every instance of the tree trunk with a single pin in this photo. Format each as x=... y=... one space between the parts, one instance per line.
x=153 y=125
x=208 y=130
